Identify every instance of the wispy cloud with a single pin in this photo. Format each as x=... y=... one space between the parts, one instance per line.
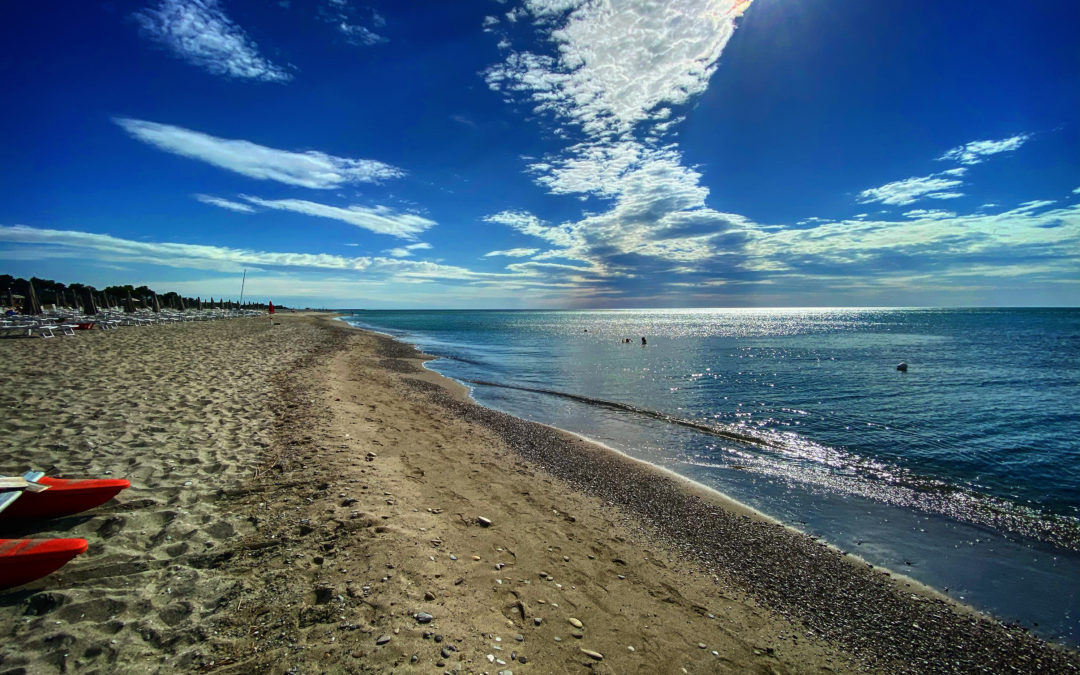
x=225 y=203
x=902 y=192
x=344 y=18
x=199 y=32
x=360 y=35
x=380 y=219
x=311 y=169
x=1045 y=238
x=513 y=253
x=106 y=248
x=936 y=214
x=406 y=251
x=977 y=151
x=527 y=223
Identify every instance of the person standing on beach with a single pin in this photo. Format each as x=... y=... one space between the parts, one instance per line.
x=643 y=343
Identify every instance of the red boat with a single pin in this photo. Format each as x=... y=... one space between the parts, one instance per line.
x=23 y=560
x=63 y=498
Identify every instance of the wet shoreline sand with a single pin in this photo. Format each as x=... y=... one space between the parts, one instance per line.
x=347 y=512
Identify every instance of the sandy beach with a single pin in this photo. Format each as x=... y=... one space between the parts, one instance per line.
x=307 y=498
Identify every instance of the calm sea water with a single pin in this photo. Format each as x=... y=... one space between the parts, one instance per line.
x=963 y=472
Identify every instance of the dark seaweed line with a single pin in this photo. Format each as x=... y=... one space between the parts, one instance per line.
x=645 y=412
x=987 y=511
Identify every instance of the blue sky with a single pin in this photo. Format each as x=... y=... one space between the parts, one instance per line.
x=547 y=153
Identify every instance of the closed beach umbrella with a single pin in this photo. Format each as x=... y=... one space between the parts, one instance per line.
x=198 y=302
x=129 y=304
x=31 y=306
x=271 y=307
x=10 y=298
x=91 y=308
x=157 y=305
x=182 y=308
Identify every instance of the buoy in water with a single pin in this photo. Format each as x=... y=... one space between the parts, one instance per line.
x=902 y=367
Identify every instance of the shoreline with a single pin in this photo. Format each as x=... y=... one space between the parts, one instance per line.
x=308 y=496
x=897 y=582
x=707 y=492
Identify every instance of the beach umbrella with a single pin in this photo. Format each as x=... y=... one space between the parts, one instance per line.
x=198 y=302
x=31 y=305
x=91 y=308
x=271 y=307
x=182 y=308
x=10 y=298
x=157 y=305
x=129 y=304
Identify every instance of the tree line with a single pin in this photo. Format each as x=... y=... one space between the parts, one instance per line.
x=84 y=295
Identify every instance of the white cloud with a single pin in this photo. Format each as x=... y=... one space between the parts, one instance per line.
x=381 y=219
x=358 y=34
x=1076 y=191
x=1053 y=235
x=225 y=203
x=910 y=190
x=619 y=62
x=928 y=213
x=976 y=151
x=311 y=169
x=513 y=252
x=527 y=223
x=199 y=32
x=1034 y=204
x=105 y=248
x=406 y=251
x=621 y=70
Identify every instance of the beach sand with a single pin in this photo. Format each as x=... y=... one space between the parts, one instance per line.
x=307 y=498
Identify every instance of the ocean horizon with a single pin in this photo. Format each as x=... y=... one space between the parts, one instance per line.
x=959 y=473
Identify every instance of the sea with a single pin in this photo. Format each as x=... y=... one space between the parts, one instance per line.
x=962 y=471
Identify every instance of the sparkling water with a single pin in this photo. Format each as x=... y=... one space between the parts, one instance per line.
x=962 y=471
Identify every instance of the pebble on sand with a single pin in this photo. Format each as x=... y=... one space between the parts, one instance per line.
x=592 y=655
x=423 y=617
x=484 y=522
x=382 y=639
x=575 y=623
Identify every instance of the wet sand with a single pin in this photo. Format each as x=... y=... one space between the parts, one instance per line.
x=306 y=496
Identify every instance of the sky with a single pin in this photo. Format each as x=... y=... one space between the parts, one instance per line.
x=546 y=153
